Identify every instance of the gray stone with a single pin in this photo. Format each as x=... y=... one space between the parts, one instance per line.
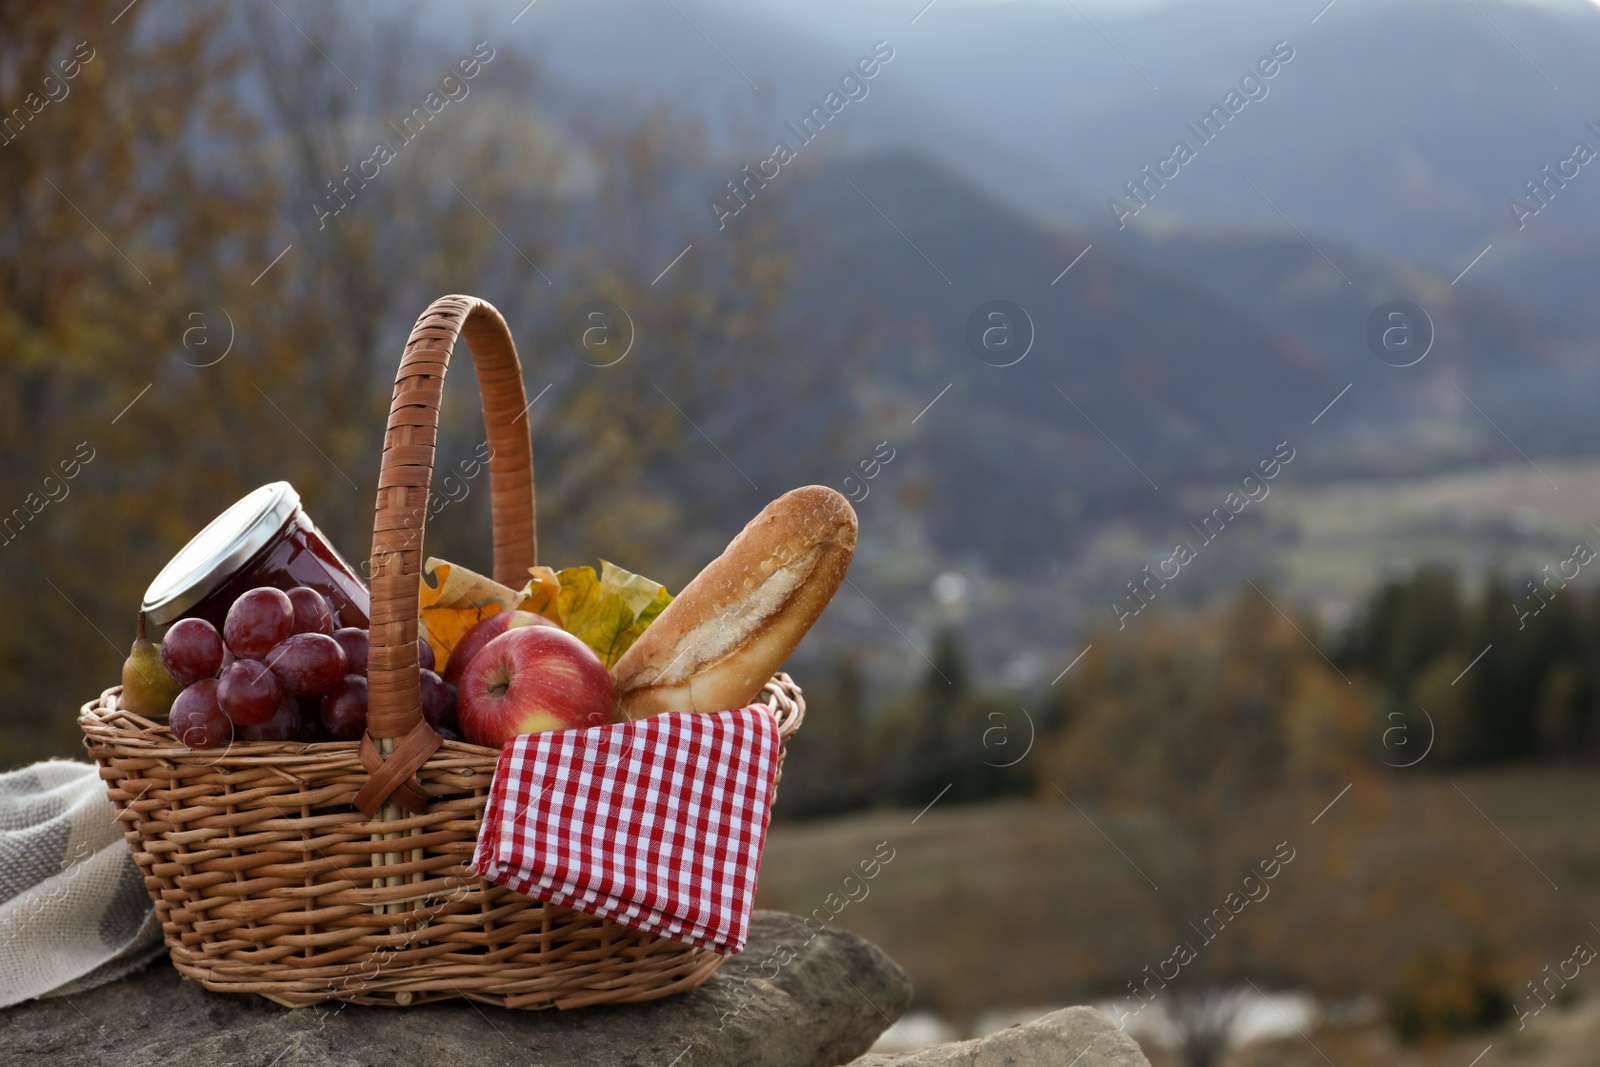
x=1079 y=1037
x=822 y=1007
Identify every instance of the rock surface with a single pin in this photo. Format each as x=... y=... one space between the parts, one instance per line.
x=1079 y=1037
x=824 y=1006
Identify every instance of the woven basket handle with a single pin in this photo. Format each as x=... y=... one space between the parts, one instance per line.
x=393 y=676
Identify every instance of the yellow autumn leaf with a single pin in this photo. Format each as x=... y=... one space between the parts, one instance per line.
x=608 y=611
x=453 y=600
x=657 y=604
x=596 y=617
x=541 y=594
x=635 y=590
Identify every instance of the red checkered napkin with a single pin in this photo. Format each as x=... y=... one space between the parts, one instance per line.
x=656 y=824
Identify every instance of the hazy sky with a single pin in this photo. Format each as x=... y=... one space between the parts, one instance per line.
x=1145 y=5
x=1127 y=6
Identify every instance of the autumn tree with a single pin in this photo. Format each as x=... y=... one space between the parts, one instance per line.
x=117 y=228
x=1192 y=738
x=551 y=209
x=183 y=303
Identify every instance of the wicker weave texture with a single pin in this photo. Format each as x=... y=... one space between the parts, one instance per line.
x=265 y=880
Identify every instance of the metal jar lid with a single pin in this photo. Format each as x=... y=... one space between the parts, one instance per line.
x=215 y=554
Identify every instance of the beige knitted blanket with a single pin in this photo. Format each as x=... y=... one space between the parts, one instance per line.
x=73 y=909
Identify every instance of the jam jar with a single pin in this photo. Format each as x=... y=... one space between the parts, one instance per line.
x=264 y=539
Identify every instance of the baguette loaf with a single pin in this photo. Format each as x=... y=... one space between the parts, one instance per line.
x=719 y=642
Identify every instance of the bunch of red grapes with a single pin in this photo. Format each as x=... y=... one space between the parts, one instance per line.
x=279 y=671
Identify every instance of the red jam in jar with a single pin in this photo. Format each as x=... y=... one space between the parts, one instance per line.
x=264 y=539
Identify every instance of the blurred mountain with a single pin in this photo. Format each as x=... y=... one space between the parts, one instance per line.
x=1184 y=359
x=1121 y=352
x=1403 y=129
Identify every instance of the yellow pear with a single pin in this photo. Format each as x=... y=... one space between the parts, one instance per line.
x=147 y=688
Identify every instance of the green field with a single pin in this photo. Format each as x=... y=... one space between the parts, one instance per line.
x=1332 y=541
x=1016 y=904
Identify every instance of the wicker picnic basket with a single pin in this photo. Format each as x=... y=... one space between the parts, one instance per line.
x=337 y=871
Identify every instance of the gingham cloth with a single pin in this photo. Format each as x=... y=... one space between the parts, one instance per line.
x=656 y=824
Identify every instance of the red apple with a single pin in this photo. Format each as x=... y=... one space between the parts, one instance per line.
x=531 y=679
x=474 y=639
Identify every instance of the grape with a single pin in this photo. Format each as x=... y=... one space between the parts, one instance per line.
x=446 y=733
x=436 y=707
x=227 y=659
x=310 y=730
x=311 y=614
x=257 y=621
x=191 y=651
x=353 y=640
x=248 y=693
x=306 y=663
x=425 y=657
x=283 y=725
x=196 y=720
x=344 y=710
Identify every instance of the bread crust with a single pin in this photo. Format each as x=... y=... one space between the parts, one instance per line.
x=719 y=642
